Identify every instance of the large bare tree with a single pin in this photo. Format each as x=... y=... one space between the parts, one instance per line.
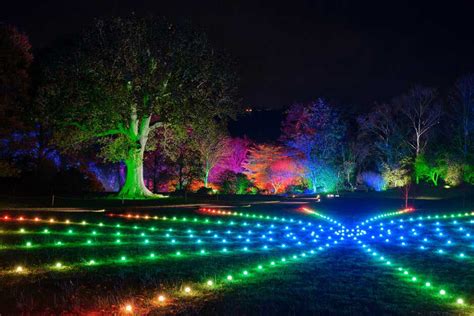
x=421 y=108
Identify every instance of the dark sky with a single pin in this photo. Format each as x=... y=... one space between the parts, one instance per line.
x=355 y=52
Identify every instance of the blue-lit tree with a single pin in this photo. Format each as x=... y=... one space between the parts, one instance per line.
x=315 y=131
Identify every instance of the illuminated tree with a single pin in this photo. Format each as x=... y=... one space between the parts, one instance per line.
x=281 y=174
x=427 y=170
x=233 y=160
x=213 y=146
x=234 y=183
x=314 y=131
x=399 y=177
x=129 y=77
x=270 y=168
x=423 y=112
x=453 y=174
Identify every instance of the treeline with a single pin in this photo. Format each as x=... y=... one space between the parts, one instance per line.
x=140 y=106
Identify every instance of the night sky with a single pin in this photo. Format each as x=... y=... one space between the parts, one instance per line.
x=353 y=52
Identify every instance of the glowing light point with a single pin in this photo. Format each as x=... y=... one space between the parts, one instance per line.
x=58 y=265
x=187 y=289
x=460 y=301
x=161 y=298
x=128 y=308
x=246 y=272
x=19 y=269
x=442 y=292
x=210 y=283
x=428 y=284
x=229 y=278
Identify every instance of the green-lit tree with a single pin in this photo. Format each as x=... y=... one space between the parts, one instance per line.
x=128 y=77
x=428 y=170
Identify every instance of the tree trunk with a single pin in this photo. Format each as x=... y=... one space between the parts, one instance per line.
x=134 y=186
x=206 y=178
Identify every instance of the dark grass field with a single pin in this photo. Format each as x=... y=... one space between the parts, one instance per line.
x=337 y=278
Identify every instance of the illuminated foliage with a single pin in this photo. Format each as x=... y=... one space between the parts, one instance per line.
x=213 y=146
x=426 y=171
x=315 y=131
x=453 y=174
x=234 y=183
x=270 y=168
x=397 y=177
x=468 y=174
x=233 y=160
x=130 y=77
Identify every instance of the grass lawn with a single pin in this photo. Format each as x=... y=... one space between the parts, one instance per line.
x=260 y=259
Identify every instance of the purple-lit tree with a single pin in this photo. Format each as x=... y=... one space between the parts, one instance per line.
x=129 y=77
x=233 y=160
